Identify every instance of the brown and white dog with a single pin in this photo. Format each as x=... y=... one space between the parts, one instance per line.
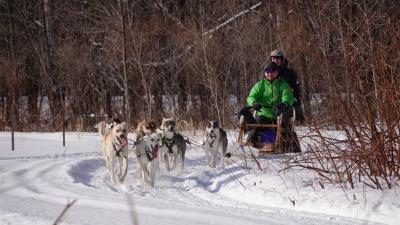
x=145 y=127
x=173 y=144
x=146 y=152
x=115 y=150
x=215 y=140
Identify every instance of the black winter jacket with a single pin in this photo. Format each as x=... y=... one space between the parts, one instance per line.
x=291 y=77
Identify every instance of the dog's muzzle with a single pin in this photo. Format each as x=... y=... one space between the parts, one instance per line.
x=122 y=140
x=151 y=154
x=154 y=151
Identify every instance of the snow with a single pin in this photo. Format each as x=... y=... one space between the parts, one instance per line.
x=41 y=177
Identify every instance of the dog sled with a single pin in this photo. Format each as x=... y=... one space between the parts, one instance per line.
x=275 y=138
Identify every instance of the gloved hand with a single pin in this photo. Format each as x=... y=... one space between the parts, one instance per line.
x=257 y=106
x=281 y=108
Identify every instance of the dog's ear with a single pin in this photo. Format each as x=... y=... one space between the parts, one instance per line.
x=216 y=123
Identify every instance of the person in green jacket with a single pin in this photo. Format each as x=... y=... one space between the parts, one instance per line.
x=272 y=91
x=270 y=97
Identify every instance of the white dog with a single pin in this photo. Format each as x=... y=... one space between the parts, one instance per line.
x=173 y=144
x=215 y=139
x=146 y=152
x=115 y=150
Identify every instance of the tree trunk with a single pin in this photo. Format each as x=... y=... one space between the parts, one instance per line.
x=125 y=76
x=53 y=89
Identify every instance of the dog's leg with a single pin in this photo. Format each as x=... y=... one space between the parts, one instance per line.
x=163 y=157
x=106 y=158
x=209 y=150
x=109 y=167
x=212 y=161
x=148 y=172
x=224 y=149
x=123 y=165
x=167 y=159
x=141 y=173
x=151 y=173
x=182 y=153
x=144 y=173
x=174 y=156
x=221 y=150
x=214 y=154
x=112 y=171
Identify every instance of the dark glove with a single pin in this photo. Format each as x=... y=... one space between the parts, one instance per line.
x=257 y=106
x=281 y=108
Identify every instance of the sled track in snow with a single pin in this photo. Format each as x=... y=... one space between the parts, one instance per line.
x=83 y=176
x=195 y=186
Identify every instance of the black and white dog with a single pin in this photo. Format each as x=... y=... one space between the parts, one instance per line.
x=215 y=140
x=146 y=152
x=173 y=144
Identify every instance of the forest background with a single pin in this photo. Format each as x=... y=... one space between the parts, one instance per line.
x=61 y=61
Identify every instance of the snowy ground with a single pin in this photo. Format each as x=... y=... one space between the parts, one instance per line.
x=41 y=176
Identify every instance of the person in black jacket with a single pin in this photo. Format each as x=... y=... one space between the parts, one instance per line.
x=290 y=76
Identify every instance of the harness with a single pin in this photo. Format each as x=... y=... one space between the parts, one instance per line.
x=213 y=139
x=169 y=142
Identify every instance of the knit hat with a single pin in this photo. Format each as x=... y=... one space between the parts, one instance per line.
x=271 y=66
x=277 y=53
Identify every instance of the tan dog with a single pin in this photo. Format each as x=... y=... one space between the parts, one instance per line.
x=145 y=127
x=115 y=150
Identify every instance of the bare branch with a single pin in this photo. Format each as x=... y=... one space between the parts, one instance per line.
x=242 y=13
x=59 y=218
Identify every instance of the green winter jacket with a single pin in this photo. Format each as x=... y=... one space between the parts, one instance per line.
x=269 y=93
